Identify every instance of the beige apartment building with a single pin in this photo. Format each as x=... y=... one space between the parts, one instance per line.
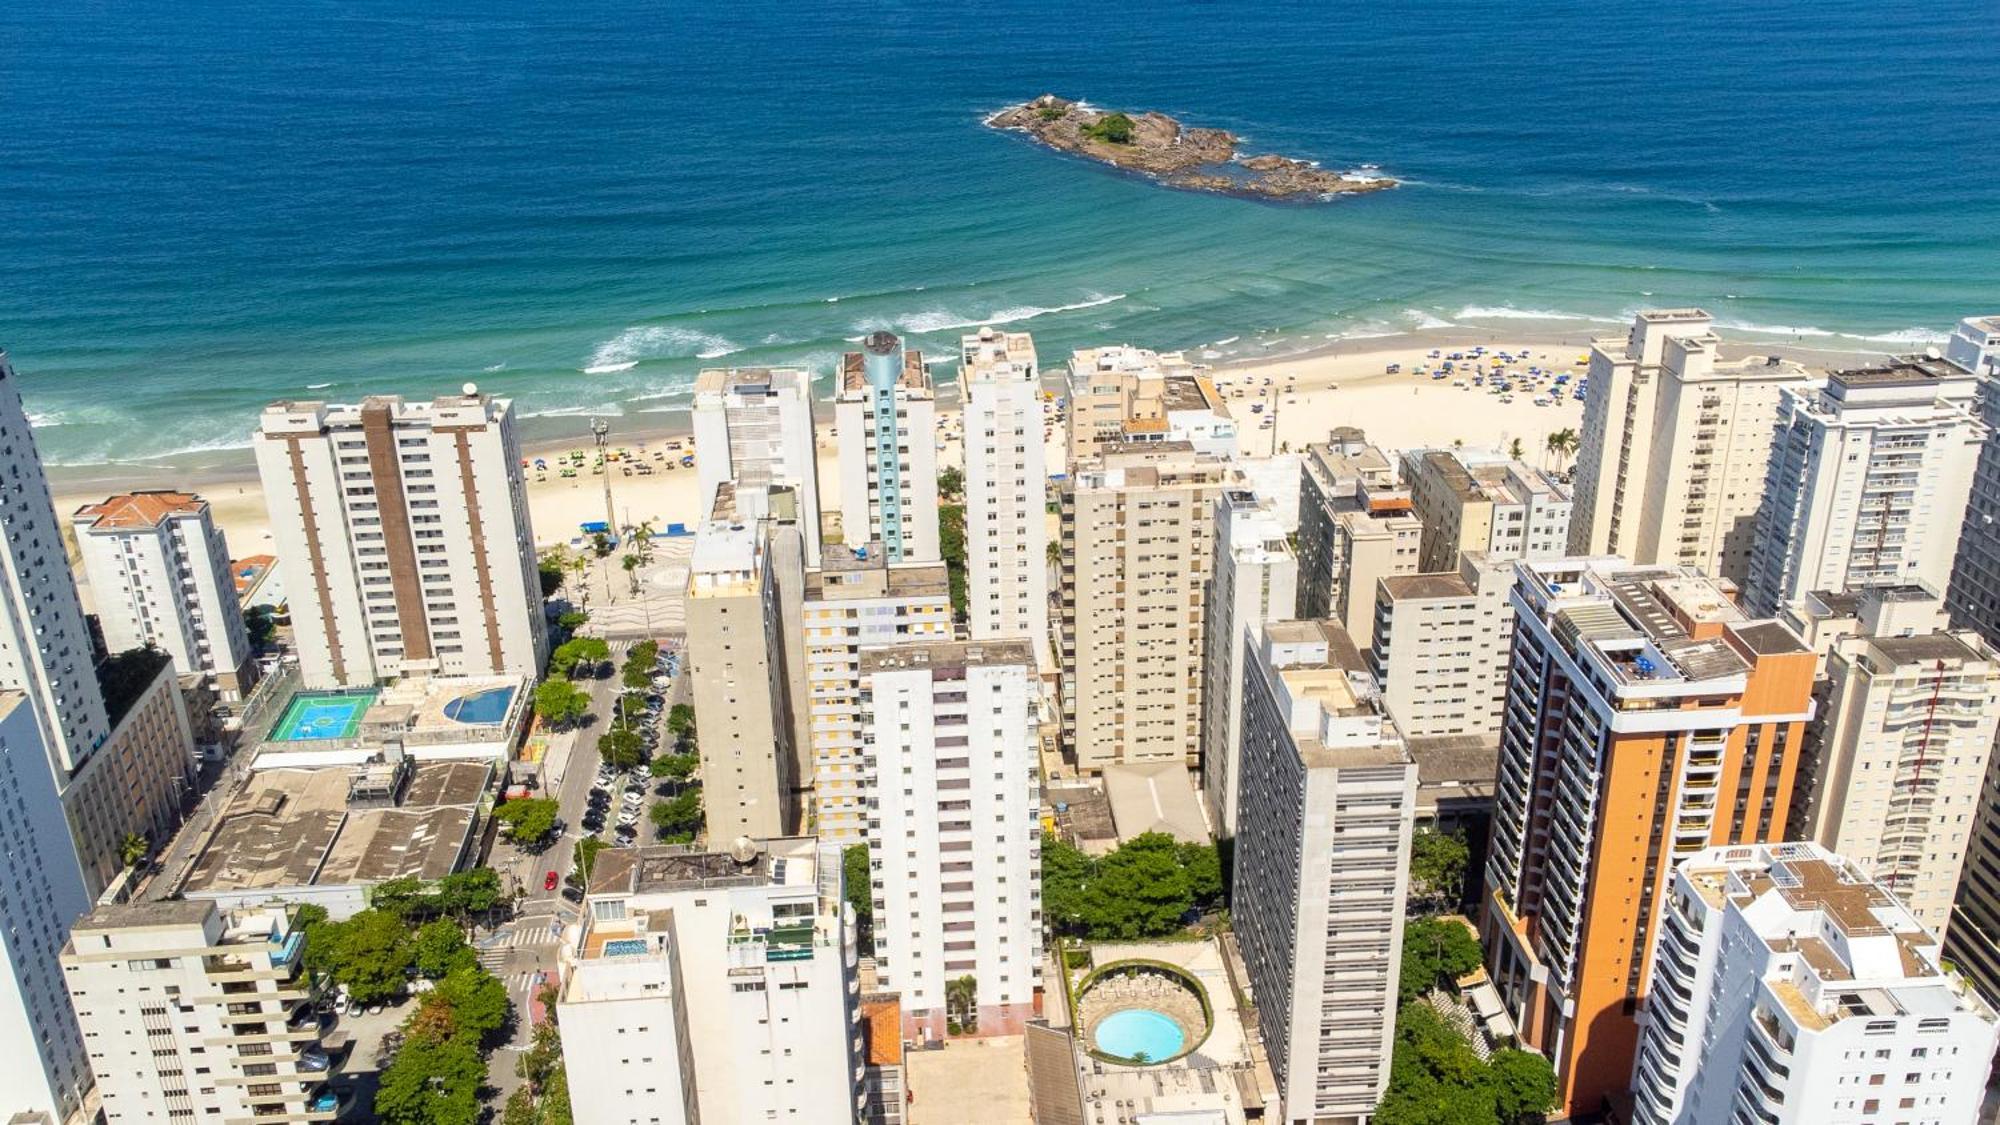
x=1006 y=490
x=1470 y=500
x=856 y=601
x=737 y=674
x=1138 y=543
x=1440 y=650
x=1356 y=527
x=1674 y=445
x=1122 y=395
x=1900 y=745
x=138 y=784
x=403 y=531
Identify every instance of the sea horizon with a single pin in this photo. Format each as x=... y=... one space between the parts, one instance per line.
x=210 y=209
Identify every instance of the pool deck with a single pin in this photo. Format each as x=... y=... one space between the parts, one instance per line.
x=1226 y=1043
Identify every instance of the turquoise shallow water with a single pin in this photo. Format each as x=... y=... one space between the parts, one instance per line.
x=209 y=205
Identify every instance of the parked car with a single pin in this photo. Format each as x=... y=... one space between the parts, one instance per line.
x=550 y=880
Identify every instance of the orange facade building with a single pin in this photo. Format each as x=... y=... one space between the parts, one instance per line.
x=1646 y=719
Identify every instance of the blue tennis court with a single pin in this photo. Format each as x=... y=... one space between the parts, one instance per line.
x=313 y=715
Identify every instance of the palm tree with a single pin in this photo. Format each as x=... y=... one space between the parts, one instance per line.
x=132 y=849
x=1563 y=444
x=961 y=1002
x=1514 y=449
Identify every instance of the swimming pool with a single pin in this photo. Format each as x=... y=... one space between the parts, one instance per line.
x=489 y=706
x=1139 y=1034
x=315 y=715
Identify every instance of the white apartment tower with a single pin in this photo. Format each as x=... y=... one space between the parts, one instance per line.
x=1901 y=743
x=1336 y=477
x=1792 y=988
x=856 y=601
x=1974 y=596
x=1121 y=395
x=45 y=649
x=159 y=570
x=1137 y=528
x=1006 y=489
x=1254 y=582
x=1670 y=466
x=1328 y=796
x=1441 y=646
x=754 y=426
x=713 y=986
x=954 y=834
x=1869 y=478
x=885 y=414
x=43 y=1065
x=189 y=1013
x=403 y=532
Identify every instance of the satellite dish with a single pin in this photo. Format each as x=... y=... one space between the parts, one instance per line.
x=1932 y=352
x=471 y=389
x=744 y=849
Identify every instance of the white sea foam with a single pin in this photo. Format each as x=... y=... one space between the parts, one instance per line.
x=656 y=341
x=502 y=366
x=47 y=419
x=1508 y=312
x=1422 y=321
x=611 y=410
x=318 y=386
x=1907 y=336
x=1227 y=340
x=943 y=320
x=1772 y=329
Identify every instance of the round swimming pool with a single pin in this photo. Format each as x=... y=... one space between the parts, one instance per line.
x=1139 y=1034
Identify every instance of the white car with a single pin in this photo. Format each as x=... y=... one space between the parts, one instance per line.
x=629 y=816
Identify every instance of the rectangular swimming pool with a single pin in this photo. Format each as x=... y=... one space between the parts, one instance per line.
x=322 y=714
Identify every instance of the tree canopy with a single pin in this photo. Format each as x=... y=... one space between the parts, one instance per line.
x=1436 y=1079
x=577 y=650
x=680 y=767
x=857 y=886
x=620 y=747
x=1435 y=951
x=529 y=820
x=368 y=953
x=951 y=544
x=1146 y=887
x=432 y=1082
x=1437 y=865
x=1114 y=128
x=559 y=702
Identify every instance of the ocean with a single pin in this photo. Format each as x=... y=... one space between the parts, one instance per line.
x=210 y=205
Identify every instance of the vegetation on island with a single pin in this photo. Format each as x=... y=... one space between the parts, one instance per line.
x=1150 y=886
x=1112 y=128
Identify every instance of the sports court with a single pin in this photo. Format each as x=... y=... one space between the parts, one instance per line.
x=315 y=715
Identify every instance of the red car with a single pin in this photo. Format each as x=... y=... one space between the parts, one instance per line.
x=549 y=881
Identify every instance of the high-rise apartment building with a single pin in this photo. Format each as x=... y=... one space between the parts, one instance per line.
x=1322 y=864
x=856 y=601
x=1337 y=476
x=1122 y=395
x=1973 y=943
x=1868 y=482
x=45 y=649
x=1475 y=501
x=1793 y=988
x=737 y=674
x=754 y=426
x=43 y=1065
x=140 y=783
x=713 y=986
x=1006 y=490
x=1646 y=719
x=1900 y=744
x=1441 y=644
x=1670 y=464
x=1137 y=533
x=159 y=570
x=885 y=413
x=954 y=836
x=1974 y=595
x=1253 y=582
x=191 y=1013
x=1370 y=546
x=403 y=531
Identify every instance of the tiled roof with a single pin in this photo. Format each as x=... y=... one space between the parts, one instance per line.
x=140 y=509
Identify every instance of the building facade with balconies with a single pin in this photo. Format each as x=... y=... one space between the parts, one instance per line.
x=191 y=1013
x=885 y=416
x=1006 y=490
x=1789 y=987
x=1646 y=719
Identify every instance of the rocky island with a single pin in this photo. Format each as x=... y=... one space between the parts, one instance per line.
x=1177 y=155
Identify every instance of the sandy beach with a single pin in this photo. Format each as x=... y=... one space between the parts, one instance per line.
x=1305 y=396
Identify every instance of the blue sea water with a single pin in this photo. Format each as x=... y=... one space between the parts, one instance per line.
x=208 y=205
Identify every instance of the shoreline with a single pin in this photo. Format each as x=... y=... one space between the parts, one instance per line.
x=1342 y=382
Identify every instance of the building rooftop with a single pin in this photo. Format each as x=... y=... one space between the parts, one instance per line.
x=137 y=915
x=915 y=379
x=1154 y=797
x=717 y=381
x=662 y=868
x=1901 y=371
x=1926 y=648
x=132 y=510
x=882 y=1025
x=1423 y=586
x=947 y=656
x=991 y=352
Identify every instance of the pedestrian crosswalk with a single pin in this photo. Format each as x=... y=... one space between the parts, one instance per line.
x=521 y=983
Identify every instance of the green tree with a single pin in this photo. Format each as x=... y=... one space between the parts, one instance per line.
x=680 y=720
x=476 y=999
x=552 y=569
x=1437 y=865
x=439 y=948
x=951 y=544
x=1112 y=128
x=400 y=897
x=263 y=629
x=1435 y=950
x=582 y=859
x=1138 y=891
x=529 y=820
x=561 y=703
x=520 y=1108
x=1204 y=873
x=857 y=885
x=951 y=485
x=631 y=709
x=1065 y=873
x=636 y=677
x=679 y=767
x=961 y=1002
x=620 y=747
x=132 y=849
x=432 y=1082
x=368 y=953
x=1435 y=1078
x=578 y=652
x=679 y=813
x=571 y=620
x=1524 y=1084
x=467 y=894
x=642 y=655
x=1514 y=449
